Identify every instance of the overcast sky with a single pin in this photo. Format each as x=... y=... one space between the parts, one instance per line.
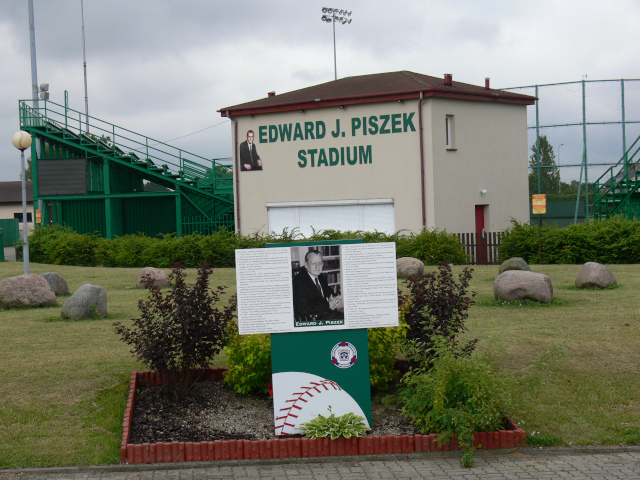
x=163 y=68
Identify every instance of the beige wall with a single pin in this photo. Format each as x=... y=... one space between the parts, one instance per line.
x=490 y=153
x=491 y=143
x=390 y=174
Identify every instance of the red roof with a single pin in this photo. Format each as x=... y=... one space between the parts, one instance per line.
x=379 y=87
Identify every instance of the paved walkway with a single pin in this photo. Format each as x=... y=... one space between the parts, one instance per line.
x=575 y=464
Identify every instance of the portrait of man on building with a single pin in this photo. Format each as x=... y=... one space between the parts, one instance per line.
x=249 y=158
x=313 y=298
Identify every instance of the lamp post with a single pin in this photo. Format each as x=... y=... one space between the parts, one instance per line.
x=22 y=141
x=333 y=15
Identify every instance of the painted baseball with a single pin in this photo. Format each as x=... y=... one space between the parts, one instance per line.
x=299 y=397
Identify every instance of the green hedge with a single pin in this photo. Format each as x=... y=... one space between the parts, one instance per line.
x=60 y=245
x=612 y=241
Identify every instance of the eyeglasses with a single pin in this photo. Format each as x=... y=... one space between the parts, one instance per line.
x=316 y=264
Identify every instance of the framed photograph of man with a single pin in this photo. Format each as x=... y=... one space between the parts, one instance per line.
x=250 y=161
x=316 y=283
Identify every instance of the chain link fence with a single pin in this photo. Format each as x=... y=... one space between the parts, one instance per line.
x=589 y=125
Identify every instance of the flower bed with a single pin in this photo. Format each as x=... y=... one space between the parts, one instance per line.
x=279 y=447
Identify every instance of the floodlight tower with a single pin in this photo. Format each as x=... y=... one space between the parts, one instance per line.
x=333 y=15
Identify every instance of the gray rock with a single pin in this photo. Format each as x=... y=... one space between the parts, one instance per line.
x=514 y=263
x=407 y=266
x=515 y=285
x=158 y=277
x=26 y=291
x=56 y=282
x=595 y=275
x=80 y=305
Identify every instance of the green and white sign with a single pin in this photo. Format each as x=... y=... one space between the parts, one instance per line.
x=317 y=370
x=317 y=299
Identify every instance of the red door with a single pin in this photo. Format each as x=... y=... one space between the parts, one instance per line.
x=481 y=242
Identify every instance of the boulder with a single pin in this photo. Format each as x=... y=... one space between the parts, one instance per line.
x=158 y=278
x=56 y=282
x=88 y=302
x=407 y=266
x=26 y=291
x=514 y=263
x=515 y=285
x=595 y=275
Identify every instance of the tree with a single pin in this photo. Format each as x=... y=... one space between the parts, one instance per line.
x=28 y=172
x=549 y=172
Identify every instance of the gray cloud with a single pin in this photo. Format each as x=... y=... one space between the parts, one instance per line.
x=163 y=68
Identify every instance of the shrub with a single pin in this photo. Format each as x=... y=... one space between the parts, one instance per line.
x=131 y=251
x=437 y=306
x=459 y=394
x=63 y=246
x=76 y=249
x=347 y=426
x=612 y=241
x=181 y=331
x=384 y=346
x=248 y=362
x=432 y=247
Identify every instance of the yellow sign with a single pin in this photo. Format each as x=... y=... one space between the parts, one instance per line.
x=539 y=203
x=38 y=215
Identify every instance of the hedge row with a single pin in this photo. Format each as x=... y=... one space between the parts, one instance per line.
x=60 y=245
x=612 y=241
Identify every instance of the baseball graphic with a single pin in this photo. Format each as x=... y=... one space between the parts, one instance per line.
x=299 y=397
x=21 y=140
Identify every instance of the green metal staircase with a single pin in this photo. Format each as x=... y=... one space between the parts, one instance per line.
x=191 y=193
x=617 y=191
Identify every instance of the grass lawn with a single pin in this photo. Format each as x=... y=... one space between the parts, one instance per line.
x=576 y=364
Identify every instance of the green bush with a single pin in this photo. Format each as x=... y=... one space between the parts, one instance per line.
x=347 y=426
x=384 y=347
x=459 y=394
x=612 y=241
x=131 y=251
x=61 y=245
x=433 y=247
x=76 y=250
x=248 y=362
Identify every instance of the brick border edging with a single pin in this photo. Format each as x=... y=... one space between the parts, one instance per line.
x=167 y=452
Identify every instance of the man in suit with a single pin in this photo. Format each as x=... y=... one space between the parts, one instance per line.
x=313 y=299
x=249 y=158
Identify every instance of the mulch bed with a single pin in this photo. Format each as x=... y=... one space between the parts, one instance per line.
x=212 y=411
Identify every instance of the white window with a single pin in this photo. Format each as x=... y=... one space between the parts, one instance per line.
x=449 y=126
x=364 y=215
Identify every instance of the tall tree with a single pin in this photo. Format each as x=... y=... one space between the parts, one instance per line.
x=549 y=172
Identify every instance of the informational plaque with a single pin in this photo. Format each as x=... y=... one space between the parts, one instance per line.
x=316 y=287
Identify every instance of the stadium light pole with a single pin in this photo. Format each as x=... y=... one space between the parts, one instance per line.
x=84 y=63
x=22 y=141
x=333 y=15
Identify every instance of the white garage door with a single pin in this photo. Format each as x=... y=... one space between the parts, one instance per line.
x=364 y=215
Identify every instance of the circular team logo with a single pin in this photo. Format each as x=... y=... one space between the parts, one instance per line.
x=344 y=355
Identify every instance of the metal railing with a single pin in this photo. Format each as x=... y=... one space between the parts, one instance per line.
x=612 y=191
x=124 y=143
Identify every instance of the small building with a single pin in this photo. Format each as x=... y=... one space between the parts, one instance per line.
x=11 y=202
x=388 y=152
